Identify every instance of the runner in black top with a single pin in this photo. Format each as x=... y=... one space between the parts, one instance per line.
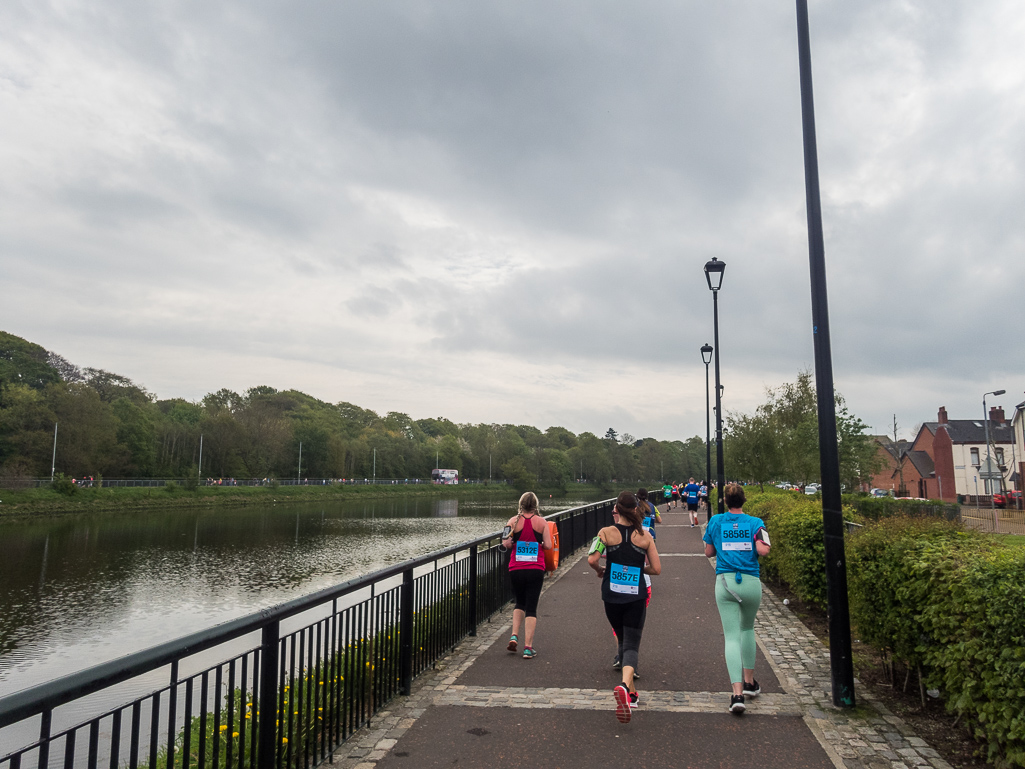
x=625 y=548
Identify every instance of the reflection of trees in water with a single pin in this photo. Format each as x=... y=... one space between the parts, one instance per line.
x=81 y=588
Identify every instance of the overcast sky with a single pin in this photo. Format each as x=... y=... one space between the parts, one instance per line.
x=499 y=212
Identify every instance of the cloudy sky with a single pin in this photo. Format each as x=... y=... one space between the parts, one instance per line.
x=499 y=212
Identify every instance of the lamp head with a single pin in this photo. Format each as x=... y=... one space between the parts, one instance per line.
x=998 y=392
x=706 y=353
x=713 y=273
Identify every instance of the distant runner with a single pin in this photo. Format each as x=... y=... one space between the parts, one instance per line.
x=690 y=493
x=667 y=493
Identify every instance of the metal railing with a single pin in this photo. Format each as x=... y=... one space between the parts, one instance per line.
x=287 y=684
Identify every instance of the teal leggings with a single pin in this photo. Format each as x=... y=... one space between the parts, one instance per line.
x=738 y=620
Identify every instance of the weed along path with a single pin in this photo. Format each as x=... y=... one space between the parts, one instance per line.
x=483 y=707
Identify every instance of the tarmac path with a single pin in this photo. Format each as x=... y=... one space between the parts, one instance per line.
x=485 y=707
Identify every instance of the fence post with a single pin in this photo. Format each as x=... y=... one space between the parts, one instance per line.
x=406 y=632
x=473 y=590
x=268 y=702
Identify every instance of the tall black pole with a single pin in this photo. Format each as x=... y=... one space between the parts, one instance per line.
x=720 y=473
x=841 y=668
x=708 y=445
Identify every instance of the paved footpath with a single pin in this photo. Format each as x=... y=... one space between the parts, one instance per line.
x=484 y=707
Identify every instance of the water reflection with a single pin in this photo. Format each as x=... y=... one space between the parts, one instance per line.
x=82 y=589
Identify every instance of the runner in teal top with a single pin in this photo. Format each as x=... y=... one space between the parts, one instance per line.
x=737 y=540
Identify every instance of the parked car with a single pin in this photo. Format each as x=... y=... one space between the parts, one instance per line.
x=879 y=493
x=811 y=488
x=999 y=500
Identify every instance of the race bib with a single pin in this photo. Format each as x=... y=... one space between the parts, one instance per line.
x=648 y=521
x=624 y=579
x=737 y=539
x=526 y=552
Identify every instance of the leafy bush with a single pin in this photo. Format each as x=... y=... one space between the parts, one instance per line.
x=170 y=487
x=885 y=599
x=875 y=508
x=949 y=602
x=974 y=647
x=63 y=485
x=798 y=554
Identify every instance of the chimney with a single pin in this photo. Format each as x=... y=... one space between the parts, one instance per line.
x=996 y=415
x=942 y=416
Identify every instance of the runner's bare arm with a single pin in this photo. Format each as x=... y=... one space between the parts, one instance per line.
x=547 y=542
x=709 y=551
x=654 y=566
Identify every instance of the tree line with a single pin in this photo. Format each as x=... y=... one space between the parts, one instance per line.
x=108 y=425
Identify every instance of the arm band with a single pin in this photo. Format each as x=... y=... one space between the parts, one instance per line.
x=763 y=535
x=597 y=547
x=507 y=532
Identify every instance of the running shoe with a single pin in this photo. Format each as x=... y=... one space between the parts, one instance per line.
x=617 y=663
x=623 y=704
x=528 y=653
x=633 y=700
x=512 y=644
x=752 y=689
x=636 y=674
x=737 y=705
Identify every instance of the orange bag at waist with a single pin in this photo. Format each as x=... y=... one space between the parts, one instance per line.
x=552 y=556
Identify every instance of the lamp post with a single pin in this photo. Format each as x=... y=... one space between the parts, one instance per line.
x=706 y=356
x=989 y=460
x=841 y=666
x=714 y=271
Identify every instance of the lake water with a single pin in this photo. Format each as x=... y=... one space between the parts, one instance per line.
x=77 y=590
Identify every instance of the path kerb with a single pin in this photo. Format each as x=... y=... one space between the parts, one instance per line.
x=870 y=737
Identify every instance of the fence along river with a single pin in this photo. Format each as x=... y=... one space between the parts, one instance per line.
x=359 y=626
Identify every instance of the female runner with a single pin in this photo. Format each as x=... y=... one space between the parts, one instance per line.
x=737 y=540
x=526 y=534
x=625 y=546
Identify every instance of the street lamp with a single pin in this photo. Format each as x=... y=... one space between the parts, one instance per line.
x=706 y=356
x=989 y=460
x=841 y=667
x=713 y=274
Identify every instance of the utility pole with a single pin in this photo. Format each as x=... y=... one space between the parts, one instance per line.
x=299 y=477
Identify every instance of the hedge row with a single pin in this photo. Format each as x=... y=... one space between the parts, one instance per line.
x=948 y=601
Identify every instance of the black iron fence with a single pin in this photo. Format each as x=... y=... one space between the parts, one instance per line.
x=277 y=689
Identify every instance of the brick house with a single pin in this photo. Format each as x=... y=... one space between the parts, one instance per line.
x=956 y=449
x=889 y=454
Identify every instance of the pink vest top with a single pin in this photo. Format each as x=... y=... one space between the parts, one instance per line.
x=527 y=553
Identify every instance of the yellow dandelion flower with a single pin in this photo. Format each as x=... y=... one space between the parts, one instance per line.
x=224 y=727
x=234 y=734
x=284 y=739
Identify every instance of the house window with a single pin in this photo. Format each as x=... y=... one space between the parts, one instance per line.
x=1000 y=456
x=975 y=457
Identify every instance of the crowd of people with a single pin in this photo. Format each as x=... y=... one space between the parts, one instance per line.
x=624 y=557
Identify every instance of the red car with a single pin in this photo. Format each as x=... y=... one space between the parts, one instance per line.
x=1012 y=498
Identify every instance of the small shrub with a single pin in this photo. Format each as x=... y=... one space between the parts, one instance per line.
x=191 y=481
x=170 y=487
x=63 y=485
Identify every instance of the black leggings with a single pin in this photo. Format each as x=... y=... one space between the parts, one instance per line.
x=627 y=620
x=526 y=585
